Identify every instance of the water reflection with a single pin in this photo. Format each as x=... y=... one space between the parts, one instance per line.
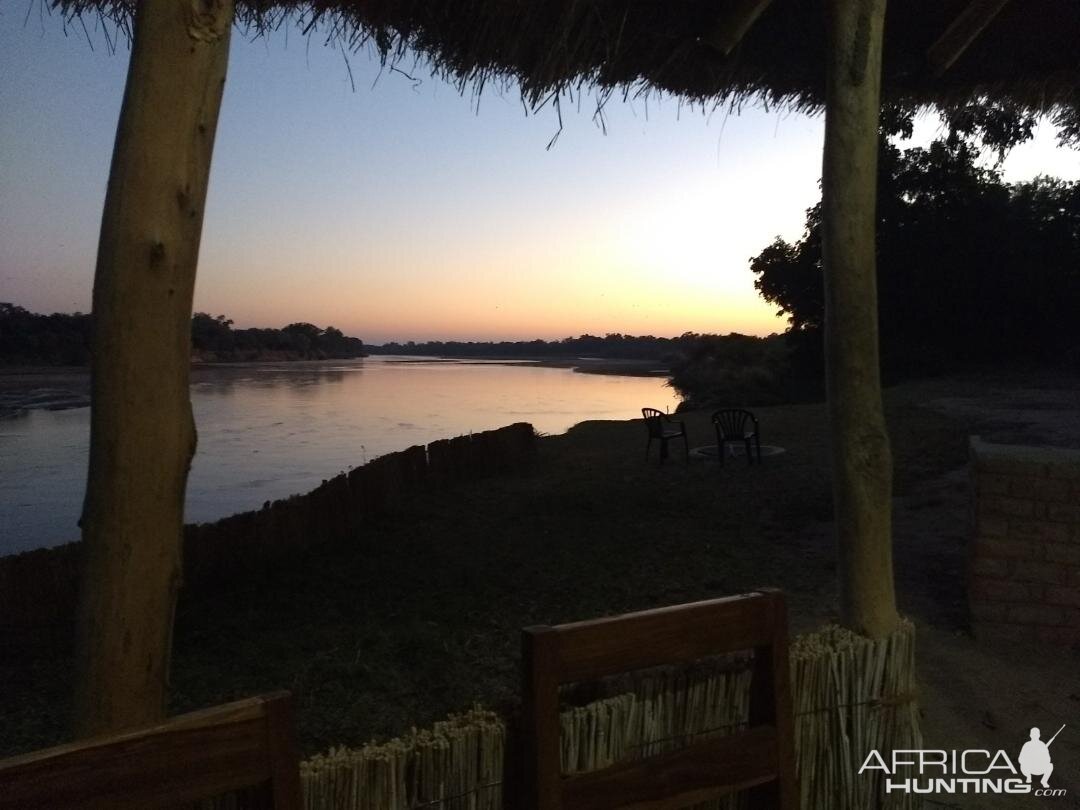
x=268 y=431
x=222 y=380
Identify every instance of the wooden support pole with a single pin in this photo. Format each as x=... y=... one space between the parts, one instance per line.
x=861 y=460
x=737 y=18
x=961 y=33
x=142 y=434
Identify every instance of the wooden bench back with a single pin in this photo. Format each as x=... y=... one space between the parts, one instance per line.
x=189 y=757
x=760 y=759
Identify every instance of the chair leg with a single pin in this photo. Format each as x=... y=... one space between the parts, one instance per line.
x=757 y=443
x=686 y=446
x=663 y=450
x=648 y=445
x=749 y=453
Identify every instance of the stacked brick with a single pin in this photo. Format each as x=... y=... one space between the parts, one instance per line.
x=1024 y=563
x=39 y=588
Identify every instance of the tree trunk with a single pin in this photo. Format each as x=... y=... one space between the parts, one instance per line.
x=142 y=435
x=861 y=461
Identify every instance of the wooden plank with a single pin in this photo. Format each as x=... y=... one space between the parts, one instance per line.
x=737 y=18
x=770 y=703
x=702 y=772
x=961 y=33
x=542 y=782
x=783 y=711
x=671 y=635
x=197 y=755
x=283 y=757
x=760 y=759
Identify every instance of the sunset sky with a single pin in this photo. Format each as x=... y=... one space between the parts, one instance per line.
x=400 y=211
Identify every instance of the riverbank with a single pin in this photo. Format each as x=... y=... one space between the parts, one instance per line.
x=62 y=387
x=43 y=387
x=420 y=615
x=620 y=367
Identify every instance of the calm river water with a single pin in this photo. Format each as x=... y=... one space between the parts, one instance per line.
x=266 y=432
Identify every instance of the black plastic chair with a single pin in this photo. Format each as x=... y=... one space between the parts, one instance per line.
x=731 y=425
x=663 y=428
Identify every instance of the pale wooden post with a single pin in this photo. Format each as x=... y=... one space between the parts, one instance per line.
x=142 y=434
x=861 y=460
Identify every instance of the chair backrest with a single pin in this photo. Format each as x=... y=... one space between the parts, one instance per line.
x=189 y=757
x=731 y=422
x=653 y=421
x=760 y=759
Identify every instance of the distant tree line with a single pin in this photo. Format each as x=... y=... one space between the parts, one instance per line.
x=612 y=346
x=705 y=368
x=27 y=338
x=214 y=339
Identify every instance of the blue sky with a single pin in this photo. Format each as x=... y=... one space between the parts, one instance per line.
x=399 y=210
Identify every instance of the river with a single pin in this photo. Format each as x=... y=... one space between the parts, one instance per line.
x=269 y=431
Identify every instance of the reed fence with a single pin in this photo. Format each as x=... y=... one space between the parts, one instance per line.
x=851 y=695
x=39 y=588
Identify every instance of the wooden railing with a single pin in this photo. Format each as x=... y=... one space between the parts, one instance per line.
x=759 y=759
x=194 y=756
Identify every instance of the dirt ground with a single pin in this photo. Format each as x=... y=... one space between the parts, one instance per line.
x=983 y=693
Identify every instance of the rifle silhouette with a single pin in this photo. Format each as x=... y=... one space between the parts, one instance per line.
x=1055 y=735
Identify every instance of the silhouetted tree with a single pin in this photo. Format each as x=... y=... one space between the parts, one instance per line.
x=213 y=334
x=970 y=269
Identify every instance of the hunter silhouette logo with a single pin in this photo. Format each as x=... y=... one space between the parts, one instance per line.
x=976 y=770
x=1035 y=757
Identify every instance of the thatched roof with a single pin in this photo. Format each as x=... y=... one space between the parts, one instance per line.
x=1028 y=53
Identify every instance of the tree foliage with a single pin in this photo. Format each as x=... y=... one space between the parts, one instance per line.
x=970 y=269
x=214 y=338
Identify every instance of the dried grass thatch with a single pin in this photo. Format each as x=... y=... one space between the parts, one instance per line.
x=1026 y=56
x=456 y=764
x=851 y=695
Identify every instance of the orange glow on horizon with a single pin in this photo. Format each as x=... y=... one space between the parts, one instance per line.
x=673 y=257
x=632 y=300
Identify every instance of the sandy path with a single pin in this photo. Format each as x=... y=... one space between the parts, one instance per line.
x=983 y=693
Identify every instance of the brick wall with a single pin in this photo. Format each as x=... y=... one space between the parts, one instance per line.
x=1024 y=563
